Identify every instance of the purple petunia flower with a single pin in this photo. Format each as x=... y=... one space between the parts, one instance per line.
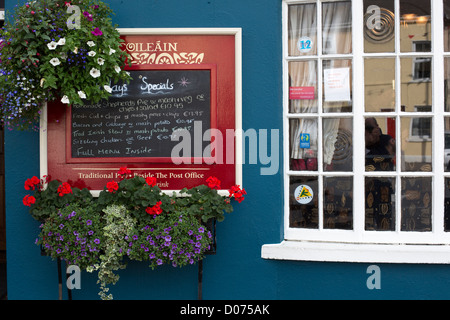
x=97 y=241
x=89 y=222
x=159 y=262
x=97 y=32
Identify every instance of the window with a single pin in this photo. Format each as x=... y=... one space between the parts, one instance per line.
x=380 y=67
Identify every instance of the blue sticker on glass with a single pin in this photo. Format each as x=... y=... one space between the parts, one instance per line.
x=305 y=141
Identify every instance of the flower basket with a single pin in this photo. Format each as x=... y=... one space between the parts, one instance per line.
x=53 y=49
x=132 y=218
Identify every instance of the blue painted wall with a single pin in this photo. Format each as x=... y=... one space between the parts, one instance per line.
x=237 y=270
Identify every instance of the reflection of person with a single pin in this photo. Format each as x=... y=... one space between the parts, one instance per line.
x=380 y=148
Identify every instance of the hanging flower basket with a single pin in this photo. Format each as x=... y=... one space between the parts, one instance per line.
x=132 y=218
x=53 y=49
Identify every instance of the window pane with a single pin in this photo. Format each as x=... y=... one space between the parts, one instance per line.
x=303 y=87
x=302 y=30
x=337 y=27
x=338 y=203
x=379 y=26
x=303 y=144
x=380 y=204
x=447 y=205
x=447 y=144
x=380 y=144
x=416 y=83
x=337 y=85
x=447 y=83
x=416 y=204
x=303 y=202
x=415 y=24
x=446 y=25
x=338 y=144
x=416 y=144
x=379 y=84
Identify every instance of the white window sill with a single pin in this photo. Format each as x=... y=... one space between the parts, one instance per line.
x=360 y=253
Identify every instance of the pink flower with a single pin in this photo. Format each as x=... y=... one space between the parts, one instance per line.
x=97 y=32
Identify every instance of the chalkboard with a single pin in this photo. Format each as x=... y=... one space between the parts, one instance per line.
x=140 y=117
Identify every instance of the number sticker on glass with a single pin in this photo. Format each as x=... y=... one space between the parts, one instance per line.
x=305 y=44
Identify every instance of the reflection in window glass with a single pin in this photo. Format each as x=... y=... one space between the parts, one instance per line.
x=380 y=204
x=416 y=204
x=379 y=85
x=338 y=203
x=416 y=144
x=447 y=144
x=337 y=27
x=447 y=83
x=303 y=144
x=303 y=202
x=416 y=83
x=447 y=205
x=379 y=26
x=338 y=144
x=446 y=25
x=302 y=30
x=380 y=144
x=415 y=24
x=337 y=85
x=303 y=87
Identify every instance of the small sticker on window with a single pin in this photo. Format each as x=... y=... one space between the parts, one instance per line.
x=305 y=141
x=304 y=194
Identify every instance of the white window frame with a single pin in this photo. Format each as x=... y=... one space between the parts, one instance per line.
x=358 y=245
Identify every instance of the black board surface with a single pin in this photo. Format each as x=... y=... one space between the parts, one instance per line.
x=140 y=118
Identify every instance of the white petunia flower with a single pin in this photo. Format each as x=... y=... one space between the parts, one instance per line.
x=117 y=68
x=52 y=45
x=91 y=53
x=91 y=43
x=95 y=73
x=107 y=88
x=62 y=42
x=55 y=61
x=65 y=99
x=111 y=51
x=63 y=55
x=100 y=61
x=81 y=94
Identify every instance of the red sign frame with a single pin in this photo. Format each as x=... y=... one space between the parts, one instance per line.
x=154 y=50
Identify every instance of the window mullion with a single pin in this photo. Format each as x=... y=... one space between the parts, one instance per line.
x=438 y=123
x=358 y=119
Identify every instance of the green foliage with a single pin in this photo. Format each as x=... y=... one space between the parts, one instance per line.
x=74 y=234
x=48 y=200
x=43 y=59
x=130 y=219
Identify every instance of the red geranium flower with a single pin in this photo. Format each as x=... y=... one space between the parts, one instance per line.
x=156 y=209
x=213 y=182
x=237 y=193
x=30 y=184
x=124 y=171
x=28 y=200
x=151 y=181
x=64 y=189
x=112 y=186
